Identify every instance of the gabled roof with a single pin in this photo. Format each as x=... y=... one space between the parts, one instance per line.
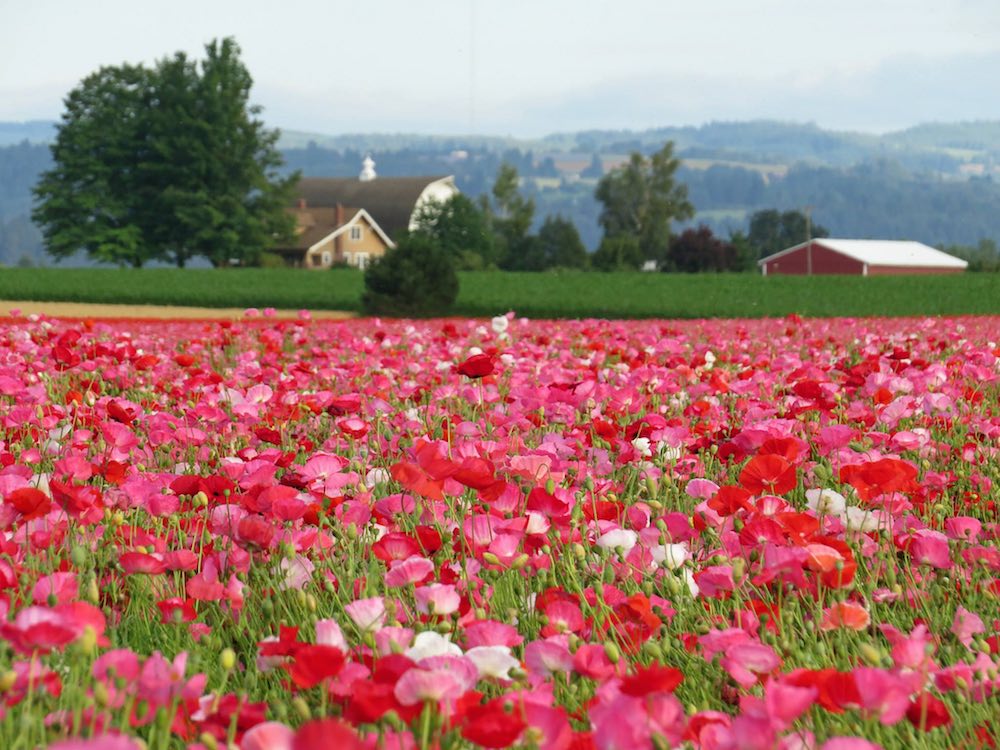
x=882 y=253
x=390 y=199
x=317 y=225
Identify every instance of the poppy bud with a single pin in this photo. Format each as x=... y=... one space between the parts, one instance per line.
x=550 y=485
x=208 y=740
x=87 y=642
x=612 y=652
x=227 y=659
x=79 y=556
x=101 y=695
x=300 y=707
x=520 y=561
x=7 y=680
x=870 y=654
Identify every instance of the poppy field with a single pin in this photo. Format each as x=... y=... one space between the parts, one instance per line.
x=549 y=535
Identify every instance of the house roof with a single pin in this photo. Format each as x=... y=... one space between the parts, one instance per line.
x=390 y=199
x=882 y=253
x=315 y=225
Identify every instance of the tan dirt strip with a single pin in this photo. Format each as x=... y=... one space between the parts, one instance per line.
x=148 y=312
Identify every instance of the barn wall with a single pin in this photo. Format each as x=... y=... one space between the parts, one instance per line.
x=909 y=270
x=824 y=261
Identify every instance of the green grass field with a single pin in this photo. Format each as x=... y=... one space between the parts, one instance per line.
x=569 y=294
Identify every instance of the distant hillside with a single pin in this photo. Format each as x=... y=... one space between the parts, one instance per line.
x=937 y=183
x=33 y=131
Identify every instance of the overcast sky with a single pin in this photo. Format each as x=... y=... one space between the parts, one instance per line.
x=530 y=67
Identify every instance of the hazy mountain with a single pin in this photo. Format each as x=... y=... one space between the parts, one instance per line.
x=938 y=183
x=33 y=131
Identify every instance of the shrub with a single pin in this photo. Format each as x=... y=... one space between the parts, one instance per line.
x=417 y=278
x=271 y=260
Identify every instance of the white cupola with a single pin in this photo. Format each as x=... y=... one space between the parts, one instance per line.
x=367 y=169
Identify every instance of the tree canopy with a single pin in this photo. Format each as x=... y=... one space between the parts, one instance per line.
x=772 y=230
x=641 y=199
x=459 y=228
x=165 y=163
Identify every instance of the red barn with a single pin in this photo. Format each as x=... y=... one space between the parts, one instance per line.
x=860 y=258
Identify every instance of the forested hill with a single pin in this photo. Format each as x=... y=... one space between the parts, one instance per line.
x=938 y=183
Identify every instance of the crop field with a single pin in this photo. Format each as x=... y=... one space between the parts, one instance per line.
x=548 y=535
x=537 y=295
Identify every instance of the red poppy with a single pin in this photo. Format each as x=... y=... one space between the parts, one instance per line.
x=927 y=712
x=655 y=678
x=729 y=500
x=476 y=473
x=768 y=474
x=371 y=700
x=323 y=734
x=313 y=664
x=29 y=502
x=476 y=366
x=414 y=479
x=491 y=726
x=395 y=546
x=634 y=622
x=880 y=477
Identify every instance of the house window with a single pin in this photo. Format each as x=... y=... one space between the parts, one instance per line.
x=327 y=258
x=355 y=233
x=362 y=260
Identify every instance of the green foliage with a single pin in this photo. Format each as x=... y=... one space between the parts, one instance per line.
x=745 y=255
x=557 y=245
x=560 y=244
x=270 y=260
x=88 y=200
x=983 y=257
x=416 y=278
x=619 y=253
x=510 y=215
x=165 y=164
x=641 y=199
x=461 y=229
x=772 y=231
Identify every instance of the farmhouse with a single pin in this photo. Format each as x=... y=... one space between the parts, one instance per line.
x=354 y=220
x=337 y=235
x=860 y=258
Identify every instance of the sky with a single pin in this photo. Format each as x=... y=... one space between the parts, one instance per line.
x=527 y=68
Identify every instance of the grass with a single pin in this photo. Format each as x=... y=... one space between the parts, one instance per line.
x=548 y=295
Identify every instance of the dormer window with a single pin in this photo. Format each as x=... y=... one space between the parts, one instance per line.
x=355 y=233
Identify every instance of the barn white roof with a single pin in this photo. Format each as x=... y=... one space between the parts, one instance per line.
x=883 y=253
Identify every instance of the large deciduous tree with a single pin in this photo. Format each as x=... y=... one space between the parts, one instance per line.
x=165 y=163
x=641 y=198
